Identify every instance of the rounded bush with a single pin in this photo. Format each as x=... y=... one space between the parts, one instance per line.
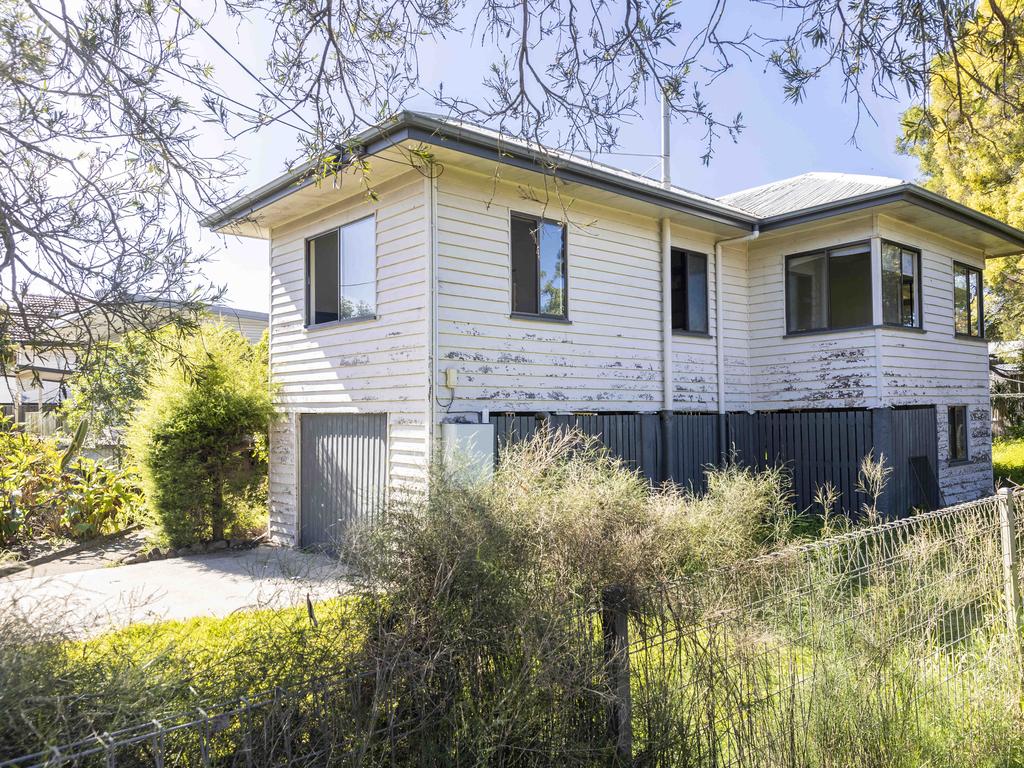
x=199 y=435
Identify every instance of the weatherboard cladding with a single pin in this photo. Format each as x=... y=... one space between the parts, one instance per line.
x=374 y=366
x=608 y=357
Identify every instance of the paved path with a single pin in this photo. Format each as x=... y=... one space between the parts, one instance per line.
x=177 y=588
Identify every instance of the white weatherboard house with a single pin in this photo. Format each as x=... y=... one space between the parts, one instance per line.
x=807 y=321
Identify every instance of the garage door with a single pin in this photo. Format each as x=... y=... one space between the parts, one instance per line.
x=344 y=466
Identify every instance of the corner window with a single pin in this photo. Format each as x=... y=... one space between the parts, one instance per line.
x=900 y=281
x=689 y=292
x=341 y=273
x=829 y=289
x=538 y=266
x=968 y=302
x=957 y=415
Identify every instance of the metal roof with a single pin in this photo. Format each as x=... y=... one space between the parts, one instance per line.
x=808 y=190
x=801 y=199
x=483 y=142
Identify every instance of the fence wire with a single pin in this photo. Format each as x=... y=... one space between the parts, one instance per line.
x=886 y=642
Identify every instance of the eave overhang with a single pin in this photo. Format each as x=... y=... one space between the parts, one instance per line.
x=414 y=128
x=1010 y=239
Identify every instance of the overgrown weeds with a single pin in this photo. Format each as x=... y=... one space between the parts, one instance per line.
x=47 y=493
x=479 y=636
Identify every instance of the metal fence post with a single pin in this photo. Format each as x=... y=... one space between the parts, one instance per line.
x=1008 y=539
x=615 y=627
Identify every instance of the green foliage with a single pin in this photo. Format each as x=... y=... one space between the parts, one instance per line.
x=480 y=634
x=44 y=492
x=481 y=590
x=969 y=141
x=148 y=671
x=107 y=389
x=1008 y=461
x=198 y=433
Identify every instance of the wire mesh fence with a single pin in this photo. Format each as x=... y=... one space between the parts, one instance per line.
x=894 y=640
x=887 y=641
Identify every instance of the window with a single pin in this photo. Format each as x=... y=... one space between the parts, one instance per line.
x=689 y=291
x=341 y=273
x=829 y=289
x=900 y=303
x=538 y=266
x=968 y=303
x=957 y=415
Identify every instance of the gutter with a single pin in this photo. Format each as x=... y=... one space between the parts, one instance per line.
x=413 y=126
x=720 y=330
x=911 y=194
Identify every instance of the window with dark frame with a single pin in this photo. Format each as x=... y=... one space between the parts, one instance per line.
x=538 y=253
x=968 y=301
x=829 y=289
x=689 y=291
x=341 y=273
x=900 y=281
x=957 y=415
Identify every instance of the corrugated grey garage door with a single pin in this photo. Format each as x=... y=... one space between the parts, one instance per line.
x=344 y=469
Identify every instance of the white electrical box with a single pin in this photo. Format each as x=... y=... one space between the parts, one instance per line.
x=469 y=451
x=451 y=377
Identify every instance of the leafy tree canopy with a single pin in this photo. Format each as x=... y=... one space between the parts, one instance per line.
x=969 y=140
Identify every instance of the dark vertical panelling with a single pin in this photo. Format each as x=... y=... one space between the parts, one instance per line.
x=343 y=473
x=817 y=447
x=914 y=460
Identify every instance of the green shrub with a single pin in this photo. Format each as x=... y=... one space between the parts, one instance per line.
x=44 y=493
x=1008 y=461
x=482 y=591
x=107 y=387
x=199 y=435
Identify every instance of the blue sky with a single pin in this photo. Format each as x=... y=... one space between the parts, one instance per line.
x=780 y=139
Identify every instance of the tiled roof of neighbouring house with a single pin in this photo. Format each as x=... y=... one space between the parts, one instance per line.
x=22 y=320
x=806 y=191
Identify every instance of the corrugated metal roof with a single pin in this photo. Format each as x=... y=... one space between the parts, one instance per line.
x=806 y=191
x=464 y=136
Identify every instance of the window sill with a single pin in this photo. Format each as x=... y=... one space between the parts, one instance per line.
x=830 y=331
x=966 y=337
x=339 y=323
x=957 y=462
x=903 y=328
x=692 y=334
x=540 y=318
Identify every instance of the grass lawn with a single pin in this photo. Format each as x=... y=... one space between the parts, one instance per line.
x=55 y=691
x=1008 y=461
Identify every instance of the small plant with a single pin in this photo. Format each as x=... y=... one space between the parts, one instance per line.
x=871 y=481
x=47 y=492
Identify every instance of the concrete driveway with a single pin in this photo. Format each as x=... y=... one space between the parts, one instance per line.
x=89 y=601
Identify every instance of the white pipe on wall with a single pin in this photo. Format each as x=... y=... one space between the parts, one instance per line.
x=431 y=221
x=666 y=313
x=720 y=314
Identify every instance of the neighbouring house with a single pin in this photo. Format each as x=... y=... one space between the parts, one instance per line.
x=34 y=385
x=505 y=285
x=1006 y=380
x=40 y=364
